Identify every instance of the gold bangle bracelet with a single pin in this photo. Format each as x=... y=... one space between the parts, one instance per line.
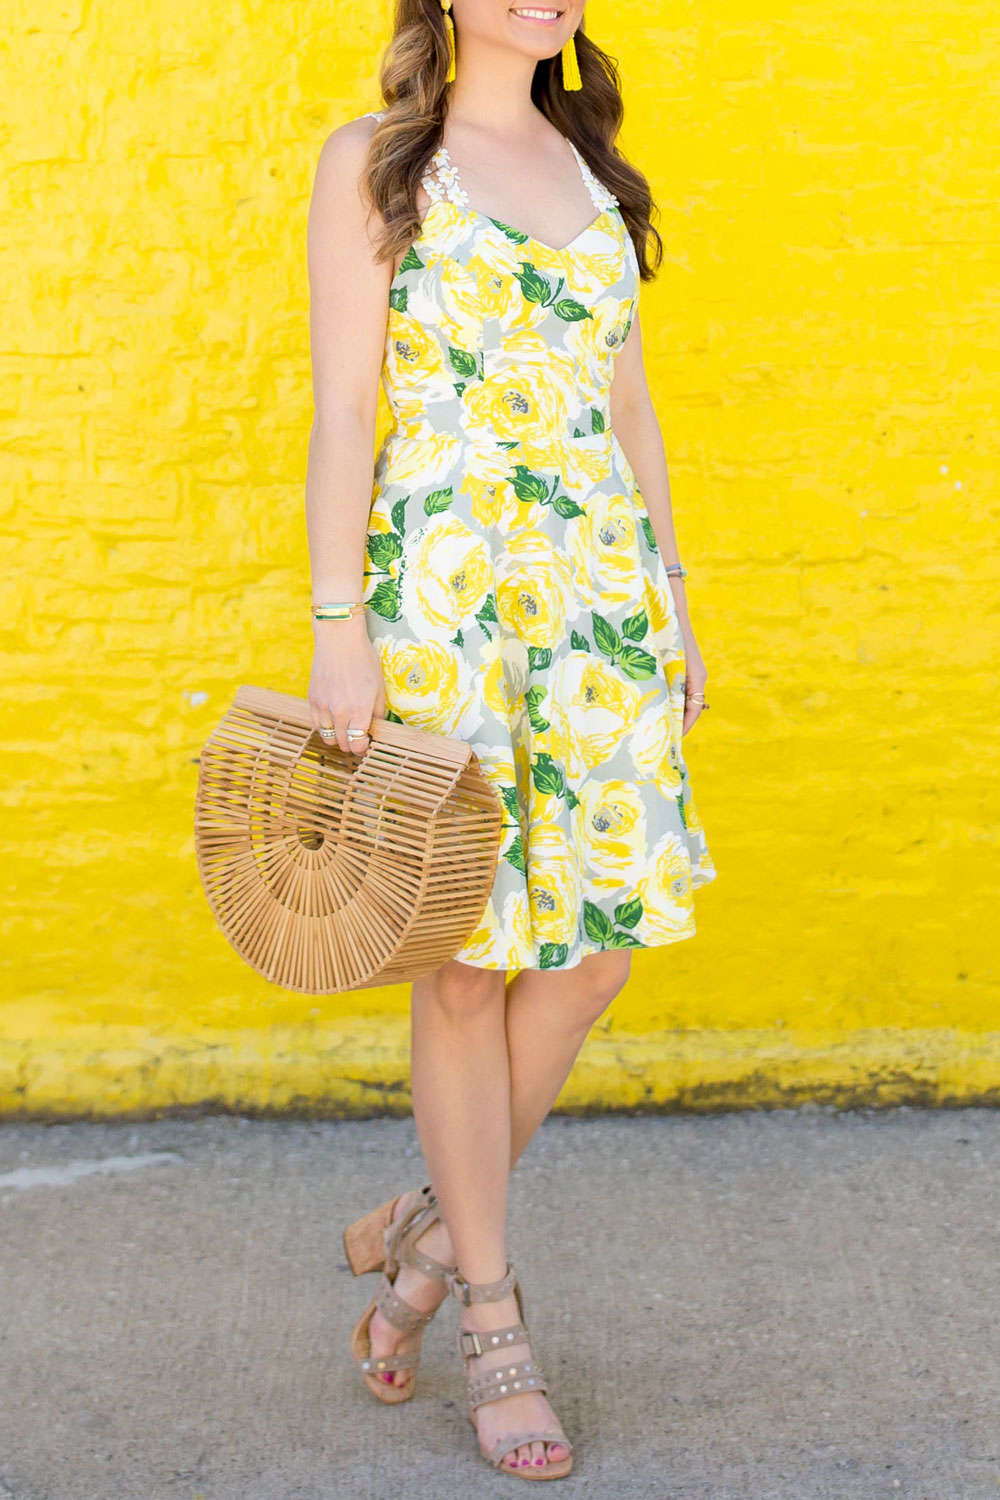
x=337 y=611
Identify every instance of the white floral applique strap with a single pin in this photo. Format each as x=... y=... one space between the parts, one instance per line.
x=602 y=197
x=441 y=181
x=442 y=184
x=446 y=184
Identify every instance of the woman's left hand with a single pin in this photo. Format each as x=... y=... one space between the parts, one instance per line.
x=695 y=678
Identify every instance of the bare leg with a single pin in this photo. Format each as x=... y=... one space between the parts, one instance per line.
x=487 y=1067
x=549 y=1013
x=460 y=1083
x=460 y=1080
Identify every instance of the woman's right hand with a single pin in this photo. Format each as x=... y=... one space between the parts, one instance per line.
x=346 y=687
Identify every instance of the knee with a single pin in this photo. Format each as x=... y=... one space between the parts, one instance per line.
x=459 y=992
x=602 y=977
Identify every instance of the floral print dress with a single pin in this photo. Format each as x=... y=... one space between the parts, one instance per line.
x=514 y=588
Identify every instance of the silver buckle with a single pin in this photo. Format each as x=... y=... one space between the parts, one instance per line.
x=474 y=1339
x=462 y=1290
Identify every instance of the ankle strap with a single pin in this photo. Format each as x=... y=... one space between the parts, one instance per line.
x=468 y=1292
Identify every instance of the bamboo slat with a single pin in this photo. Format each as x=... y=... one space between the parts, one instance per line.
x=328 y=871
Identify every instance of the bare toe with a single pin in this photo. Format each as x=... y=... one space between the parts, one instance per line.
x=556 y=1452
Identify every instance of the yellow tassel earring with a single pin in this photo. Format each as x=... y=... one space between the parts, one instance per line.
x=449 y=27
x=571 y=65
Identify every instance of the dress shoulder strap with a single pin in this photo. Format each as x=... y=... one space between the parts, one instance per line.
x=440 y=179
x=601 y=196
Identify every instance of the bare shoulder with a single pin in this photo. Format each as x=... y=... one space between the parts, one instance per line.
x=342 y=160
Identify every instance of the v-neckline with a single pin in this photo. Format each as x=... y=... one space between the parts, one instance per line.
x=445 y=155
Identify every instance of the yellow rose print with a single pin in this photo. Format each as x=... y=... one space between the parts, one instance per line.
x=692 y=818
x=409 y=415
x=487 y=483
x=600 y=263
x=450 y=576
x=655 y=749
x=461 y=318
x=602 y=335
x=447 y=230
x=486 y=463
x=511 y=405
x=533 y=591
x=674 y=671
x=379 y=520
x=414 y=355
x=627 y=477
x=665 y=892
x=423 y=460
x=556 y=372
x=498 y=768
x=499 y=699
x=553 y=885
x=611 y=818
x=515 y=590
x=605 y=551
x=593 y=709
x=659 y=604
x=494 y=291
x=494 y=502
x=516 y=924
x=582 y=464
x=481 y=944
x=429 y=684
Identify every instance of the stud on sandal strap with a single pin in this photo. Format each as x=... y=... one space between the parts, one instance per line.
x=400 y=1313
x=390 y=1362
x=475 y=1341
x=508 y=1380
x=468 y=1292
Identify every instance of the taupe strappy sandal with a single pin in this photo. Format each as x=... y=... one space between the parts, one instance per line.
x=521 y=1377
x=379 y=1242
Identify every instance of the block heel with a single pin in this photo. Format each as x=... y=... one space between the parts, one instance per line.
x=378 y=1242
x=364 y=1240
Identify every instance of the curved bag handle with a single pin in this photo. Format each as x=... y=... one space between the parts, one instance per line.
x=443 y=750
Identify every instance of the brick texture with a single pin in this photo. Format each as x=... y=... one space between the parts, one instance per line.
x=822 y=344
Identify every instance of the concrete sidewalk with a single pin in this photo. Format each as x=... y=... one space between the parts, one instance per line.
x=783 y=1306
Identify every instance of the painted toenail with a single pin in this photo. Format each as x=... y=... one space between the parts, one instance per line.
x=539 y=1461
x=525 y=1461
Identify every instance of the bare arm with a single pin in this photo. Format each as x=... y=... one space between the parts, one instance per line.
x=348 y=312
x=634 y=419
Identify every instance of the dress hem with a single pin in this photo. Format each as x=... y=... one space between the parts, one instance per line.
x=586 y=952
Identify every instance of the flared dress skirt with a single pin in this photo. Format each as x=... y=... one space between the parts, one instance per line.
x=515 y=590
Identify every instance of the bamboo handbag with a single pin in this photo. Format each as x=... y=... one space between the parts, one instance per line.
x=328 y=871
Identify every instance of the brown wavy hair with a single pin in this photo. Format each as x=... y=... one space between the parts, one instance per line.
x=414 y=91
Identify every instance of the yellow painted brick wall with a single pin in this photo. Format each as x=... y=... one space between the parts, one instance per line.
x=823 y=347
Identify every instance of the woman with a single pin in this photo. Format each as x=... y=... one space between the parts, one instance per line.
x=479 y=244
